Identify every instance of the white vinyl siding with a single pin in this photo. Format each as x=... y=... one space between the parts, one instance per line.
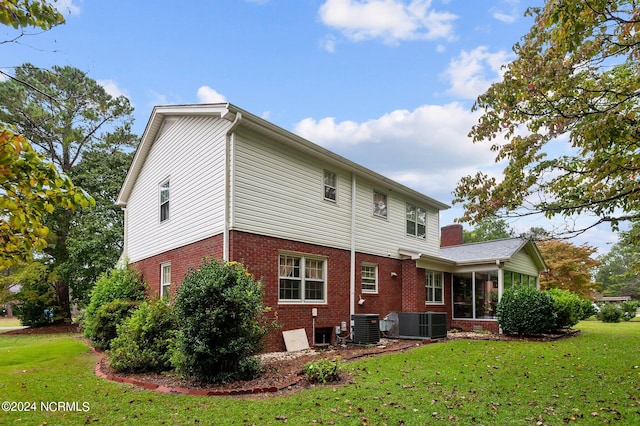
x=191 y=150
x=276 y=193
x=522 y=263
x=385 y=237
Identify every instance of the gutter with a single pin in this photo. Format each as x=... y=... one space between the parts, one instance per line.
x=228 y=186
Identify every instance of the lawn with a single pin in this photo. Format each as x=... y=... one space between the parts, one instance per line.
x=593 y=378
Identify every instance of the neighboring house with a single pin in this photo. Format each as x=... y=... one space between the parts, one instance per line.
x=326 y=236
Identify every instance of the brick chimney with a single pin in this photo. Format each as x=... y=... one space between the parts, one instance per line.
x=451 y=235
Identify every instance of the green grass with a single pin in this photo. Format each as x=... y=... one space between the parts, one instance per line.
x=593 y=378
x=9 y=322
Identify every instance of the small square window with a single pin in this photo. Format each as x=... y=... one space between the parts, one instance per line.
x=301 y=279
x=330 y=185
x=379 y=204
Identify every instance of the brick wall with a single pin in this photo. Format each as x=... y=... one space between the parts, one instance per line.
x=451 y=235
x=400 y=283
x=181 y=259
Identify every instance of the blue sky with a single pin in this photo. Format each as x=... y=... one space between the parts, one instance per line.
x=386 y=83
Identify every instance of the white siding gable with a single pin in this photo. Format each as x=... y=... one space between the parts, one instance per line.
x=190 y=152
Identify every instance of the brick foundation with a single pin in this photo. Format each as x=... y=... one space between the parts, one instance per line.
x=400 y=283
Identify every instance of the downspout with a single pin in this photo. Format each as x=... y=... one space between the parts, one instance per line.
x=228 y=186
x=352 y=274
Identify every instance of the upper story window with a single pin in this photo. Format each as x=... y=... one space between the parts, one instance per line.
x=165 y=280
x=434 y=287
x=416 y=221
x=369 y=278
x=301 y=279
x=164 y=201
x=379 y=204
x=330 y=185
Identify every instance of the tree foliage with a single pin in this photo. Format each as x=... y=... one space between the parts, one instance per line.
x=576 y=78
x=29 y=189
x=29 y=13
x=619 y=271
x=489 y=228
x=66 y=116
x=570 y=267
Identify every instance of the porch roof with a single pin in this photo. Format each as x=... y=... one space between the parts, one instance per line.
x=492 y=251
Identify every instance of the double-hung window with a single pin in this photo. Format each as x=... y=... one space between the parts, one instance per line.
x=330 y=185
x=434 y=287
x=302 y=279
x=369 y=278
x=164 y=201
x=416 y=221
x=379 y=204
x=165 y=280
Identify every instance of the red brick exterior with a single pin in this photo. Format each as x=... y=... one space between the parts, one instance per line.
x=400 y=282
x=451 y=235
x=182 y=258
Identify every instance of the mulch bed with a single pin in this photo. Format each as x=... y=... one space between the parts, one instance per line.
x=281 y=372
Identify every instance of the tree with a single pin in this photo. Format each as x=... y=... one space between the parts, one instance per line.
x=618 y=271
x=570 y=267
x=65 y=114
x=96 y=236
x=576 y=76
x=29 y=189
x=489 y=228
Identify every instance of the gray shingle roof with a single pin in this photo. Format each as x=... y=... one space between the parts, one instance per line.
x=484 y=251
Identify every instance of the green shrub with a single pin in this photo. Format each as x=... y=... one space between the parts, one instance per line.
x=567 y=307
x=609 y=312
x=117 y=284
x=322 y=371
x=629 y=309
x=220 y=323
x=526 y=310
x=587 y=310
x=104 y=326
x=37 y=304
x=145 y=339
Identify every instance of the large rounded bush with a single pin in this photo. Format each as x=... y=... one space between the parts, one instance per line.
x=610 y=312
x=526 y=310
x=220 y=320
x=145 y=339
x=567 y=306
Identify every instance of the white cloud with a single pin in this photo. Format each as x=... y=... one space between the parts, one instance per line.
x=426 y=149
x=112 y=88
x=67 y=6
x=471 y=73
x=207 y=95
x=389 y=20
x=328 y=43
x=507 y=18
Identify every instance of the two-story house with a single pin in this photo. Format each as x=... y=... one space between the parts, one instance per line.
x=327 y=237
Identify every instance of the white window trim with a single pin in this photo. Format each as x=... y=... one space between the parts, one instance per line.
x=163 y=280
x=375 y=272
x=160 y=203
x=303 y=257
x=373 y=208
x=433 y=273
x=324 y=186
x=417 y=209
